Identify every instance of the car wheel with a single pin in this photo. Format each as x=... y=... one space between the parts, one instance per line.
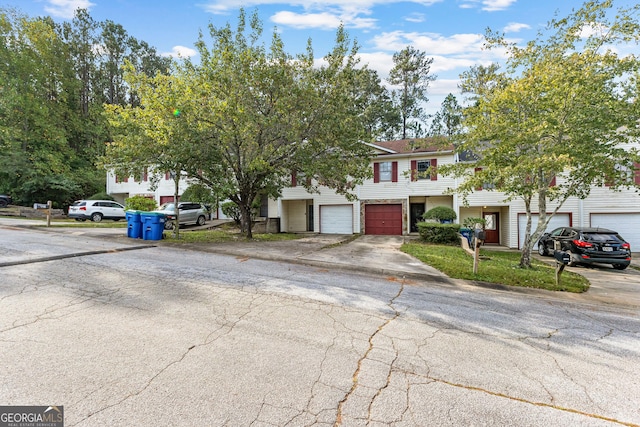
x=201 y=220
x=168 y=225
x=96 y=217
x=3 y=203
x=620 y=266
x=542 y=249
x=572 y=262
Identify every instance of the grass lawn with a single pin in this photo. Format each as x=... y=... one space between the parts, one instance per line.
x=496 y=267
x=224 y=235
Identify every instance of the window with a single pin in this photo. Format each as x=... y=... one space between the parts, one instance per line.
x=385 y=172
x=424 y=169
x=485 y=185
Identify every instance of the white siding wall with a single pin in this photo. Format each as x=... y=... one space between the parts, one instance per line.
x=123 y=190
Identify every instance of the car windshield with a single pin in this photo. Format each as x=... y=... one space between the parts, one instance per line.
x=79 y=203
x=601 y=237
x=167 y=207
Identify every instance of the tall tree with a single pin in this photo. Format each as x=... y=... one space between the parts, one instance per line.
x=381 y=118
x=51 y=122
x=411 y=73
x=566 y=108
x=446 y=122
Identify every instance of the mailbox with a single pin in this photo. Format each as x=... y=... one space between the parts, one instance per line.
x=480 y=234
x=562 y=257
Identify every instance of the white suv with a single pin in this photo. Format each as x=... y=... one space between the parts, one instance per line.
x=96 y=210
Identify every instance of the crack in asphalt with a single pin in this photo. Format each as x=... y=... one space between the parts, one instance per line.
x=356 y=374
x=522 y=400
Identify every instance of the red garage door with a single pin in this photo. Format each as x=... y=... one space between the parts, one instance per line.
x=383 y=219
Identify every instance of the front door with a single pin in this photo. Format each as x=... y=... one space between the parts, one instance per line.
x=309 y=217
x=492 y=227
x=417 y=209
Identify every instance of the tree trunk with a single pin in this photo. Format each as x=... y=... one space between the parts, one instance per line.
x=245 y=219
x=525 y=257
x=176 y=198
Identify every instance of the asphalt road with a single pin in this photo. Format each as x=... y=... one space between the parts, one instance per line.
x=128 y=334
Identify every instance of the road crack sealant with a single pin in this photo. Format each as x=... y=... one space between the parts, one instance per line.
x=357 y=372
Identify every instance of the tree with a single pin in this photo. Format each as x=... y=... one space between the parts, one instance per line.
x=152 y=135
x=446 y=123
x=262 y=115
x=411 y=72
x=565 y=108
x=381 y=118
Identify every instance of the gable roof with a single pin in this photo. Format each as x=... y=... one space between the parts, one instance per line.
x=413 y=145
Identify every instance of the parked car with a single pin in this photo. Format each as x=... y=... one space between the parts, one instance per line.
x=5 y=200
x=190 y=213
x=96 y=210
x=588 y=246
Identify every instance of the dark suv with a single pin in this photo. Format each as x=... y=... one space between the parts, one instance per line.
x=5 y=200
x=588 y=246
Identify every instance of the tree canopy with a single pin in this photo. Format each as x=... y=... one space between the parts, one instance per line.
x=54 y=80
x=411 y=72
x=566 y=107
x=250 y=117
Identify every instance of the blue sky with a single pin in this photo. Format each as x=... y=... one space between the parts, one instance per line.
x=450 y=31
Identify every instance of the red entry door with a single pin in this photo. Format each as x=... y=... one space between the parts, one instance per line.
x=492 y=227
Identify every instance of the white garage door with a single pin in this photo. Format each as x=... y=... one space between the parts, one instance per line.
x=627 y=225
x=336 y=219
x=558 y=220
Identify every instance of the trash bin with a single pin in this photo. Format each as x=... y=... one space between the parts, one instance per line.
x=134 y=224
x=152 y=225
x=468 y=233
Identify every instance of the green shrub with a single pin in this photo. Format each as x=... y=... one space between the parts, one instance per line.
x=231 y=210
x=471 y=222
x=440 y=213
x=433 y=232
x=199 y=193
x=101 y=196
x=139 y=203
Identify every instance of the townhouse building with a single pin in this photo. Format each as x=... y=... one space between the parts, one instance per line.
x=405 y=184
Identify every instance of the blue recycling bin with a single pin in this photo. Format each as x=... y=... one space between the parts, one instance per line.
x=468 y=233
x=152 y=225
x=134 y=224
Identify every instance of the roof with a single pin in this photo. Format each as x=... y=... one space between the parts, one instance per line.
x=413 y=145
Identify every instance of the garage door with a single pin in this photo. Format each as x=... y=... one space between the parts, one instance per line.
x=627 y=225
x=383 y=219
x=558 y=220
x=336 y=219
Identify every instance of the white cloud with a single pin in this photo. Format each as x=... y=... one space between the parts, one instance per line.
x=593 y=29
x=323 y=20
x=181 y=52
x=514 y=27
x=433 y=44
x=317 y=14
x=415 y=17
x=443 y=87
x=66 y=8
x=488 y=5
x=494 y=5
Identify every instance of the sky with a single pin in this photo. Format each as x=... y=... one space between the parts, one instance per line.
x=449 y=31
